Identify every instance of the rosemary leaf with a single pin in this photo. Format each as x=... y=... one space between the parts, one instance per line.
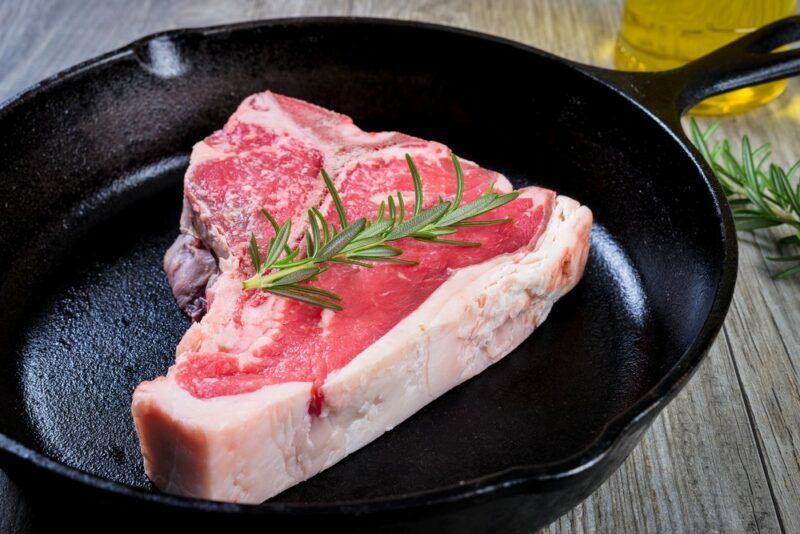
x=785 y=258
x=326 y=231
x=759 y=198
x=401 y=208
x=454 y=242
x=418 y=221
x=791 y=271
x=477 y=207
x=278 y=245
x=392 y=210
x=375 y=229
x=287 y=260
x=398 y=261
x=311 y=247
x=362 y=244
x=314 y=239
x=437 y=231
x=350 y=261
x=417 y=185
x=337 y=201
x=482 y=222
x=339 y=241
x=305 y=297
x=378 y=251
x=275 y=225
x=300 y=275
x=255 y=255
x=312 y=290
x=459 y=182
x=271 y=219
x=745 y=224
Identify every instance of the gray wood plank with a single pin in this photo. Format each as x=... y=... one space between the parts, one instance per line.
x=763 y=326
x=702 y=465
x=768 y=367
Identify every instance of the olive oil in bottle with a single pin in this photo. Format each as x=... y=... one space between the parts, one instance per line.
x=664 y=34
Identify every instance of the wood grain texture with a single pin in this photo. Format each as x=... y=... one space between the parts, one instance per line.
x=725 y=455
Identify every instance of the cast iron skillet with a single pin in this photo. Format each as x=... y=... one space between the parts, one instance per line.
x=91 y=163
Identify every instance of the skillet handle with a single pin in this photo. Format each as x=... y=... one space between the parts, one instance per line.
x=746 y=61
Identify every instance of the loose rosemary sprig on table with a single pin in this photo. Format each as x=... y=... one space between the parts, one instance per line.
x=760 y=197
x=281 y=269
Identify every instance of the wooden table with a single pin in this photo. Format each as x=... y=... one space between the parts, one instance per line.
x=725 y=455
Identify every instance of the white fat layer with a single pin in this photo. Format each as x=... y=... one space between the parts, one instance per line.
x=247 y=448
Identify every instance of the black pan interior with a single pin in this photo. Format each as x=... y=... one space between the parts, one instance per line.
x=91 y=171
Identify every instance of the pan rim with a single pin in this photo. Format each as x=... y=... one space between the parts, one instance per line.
x=514 y=480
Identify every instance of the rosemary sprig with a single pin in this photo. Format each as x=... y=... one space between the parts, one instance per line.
x=760 y=196
x=282 y=270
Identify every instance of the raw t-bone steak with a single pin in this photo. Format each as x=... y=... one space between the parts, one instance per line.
x=267 y=391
